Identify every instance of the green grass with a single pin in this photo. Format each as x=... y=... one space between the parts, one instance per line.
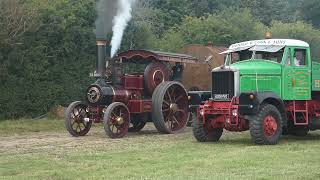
x=23 y=126
x=150 y=155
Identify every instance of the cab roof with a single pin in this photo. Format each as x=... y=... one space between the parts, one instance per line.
x=157 y=55
x=273 y=44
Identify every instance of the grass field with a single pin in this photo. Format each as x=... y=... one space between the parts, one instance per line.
x=43 y=150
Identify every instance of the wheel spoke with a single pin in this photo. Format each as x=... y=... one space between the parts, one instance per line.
x=178 y=99
x=171 y=124
x=78 y=110
x=74 y=115
x=175 y=119
x=166 y=119
x=168 y=122
x=166 y=103
x=172 y=93
x=165 y=110
x=84 y=125
x=169 y=96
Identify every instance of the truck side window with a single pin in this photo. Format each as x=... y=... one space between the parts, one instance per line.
x=299 y=58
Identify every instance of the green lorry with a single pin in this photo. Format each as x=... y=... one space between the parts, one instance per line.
x=270 y=87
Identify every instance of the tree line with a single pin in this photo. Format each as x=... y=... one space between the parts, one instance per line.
x=47 y=48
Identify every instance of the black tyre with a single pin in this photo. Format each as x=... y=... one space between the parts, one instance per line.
x=266 y=127
x=155 y=74
x=192 y=116
x=204 y=134
x=116 y=120
x=75 y=119
x=170 y=107
x=138 y=121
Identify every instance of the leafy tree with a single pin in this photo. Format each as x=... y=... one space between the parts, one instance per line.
x=298 y=30
x=50 y=65
x=222 y=29
x=311 y=11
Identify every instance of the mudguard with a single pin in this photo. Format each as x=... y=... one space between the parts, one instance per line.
x=250 y=106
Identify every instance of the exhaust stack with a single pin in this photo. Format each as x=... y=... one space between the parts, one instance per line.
x=101 y=64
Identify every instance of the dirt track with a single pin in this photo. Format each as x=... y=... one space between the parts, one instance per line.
x=59 y=142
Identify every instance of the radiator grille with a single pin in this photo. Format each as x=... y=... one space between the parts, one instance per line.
x=223 y=85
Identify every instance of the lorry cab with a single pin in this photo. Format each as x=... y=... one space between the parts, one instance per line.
x=282 y=66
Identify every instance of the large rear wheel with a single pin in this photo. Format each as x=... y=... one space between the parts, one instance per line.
x=76 y=119
x=266 y=127
x=170 y=107
x=116 y=120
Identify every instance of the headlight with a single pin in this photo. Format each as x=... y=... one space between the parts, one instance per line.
x=202 y=112
x=235 y=112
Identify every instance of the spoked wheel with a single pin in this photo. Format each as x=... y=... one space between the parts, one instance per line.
x=266 y=127
x=116 y=120
x=170 y=107
x=76 y=120
x=137 y=123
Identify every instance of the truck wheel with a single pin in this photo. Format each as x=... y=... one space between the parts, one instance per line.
x=192 y=116
x=170 y=107
x=75 y=119
x=203 y=134
x=116 y=120
x=138 y=121
x=266 y=127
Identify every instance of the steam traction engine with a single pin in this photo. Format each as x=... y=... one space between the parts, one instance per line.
x=131 y=89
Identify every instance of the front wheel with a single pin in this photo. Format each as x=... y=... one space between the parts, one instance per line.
x=266 y=126
x=203 y=133
x=76 y=119
x=116 y=120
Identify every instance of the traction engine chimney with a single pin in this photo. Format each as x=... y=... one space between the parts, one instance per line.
x=101 y=59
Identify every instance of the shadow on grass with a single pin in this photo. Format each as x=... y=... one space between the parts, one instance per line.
x=144 y=132
x=245 y=140
x=309 y=137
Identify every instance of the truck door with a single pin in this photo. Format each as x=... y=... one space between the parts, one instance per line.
x=297 y=74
